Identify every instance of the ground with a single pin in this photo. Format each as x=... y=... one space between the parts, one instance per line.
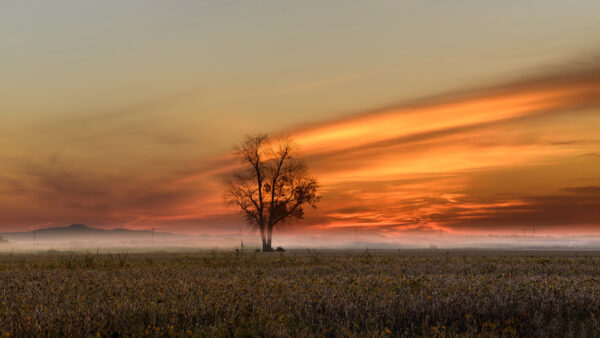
x=301 y=293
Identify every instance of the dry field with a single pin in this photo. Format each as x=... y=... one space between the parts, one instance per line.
x=301 y=293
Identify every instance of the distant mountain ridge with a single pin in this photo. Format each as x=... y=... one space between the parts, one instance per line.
x=81 y=232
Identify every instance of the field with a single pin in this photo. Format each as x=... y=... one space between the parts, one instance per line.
x=301 y=293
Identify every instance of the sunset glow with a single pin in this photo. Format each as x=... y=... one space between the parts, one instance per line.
x=469 y=164
x=477 y=141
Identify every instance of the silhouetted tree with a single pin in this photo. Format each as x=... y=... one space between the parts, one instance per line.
x=273 y=187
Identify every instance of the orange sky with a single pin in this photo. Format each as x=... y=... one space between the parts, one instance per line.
x=130 y=124
x=497 y=160
x=492 y=160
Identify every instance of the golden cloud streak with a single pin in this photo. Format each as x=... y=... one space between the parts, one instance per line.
x=484 y=131
x=407 y=167
x=394 y=123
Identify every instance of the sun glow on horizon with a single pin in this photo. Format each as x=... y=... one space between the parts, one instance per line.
x=402 y=168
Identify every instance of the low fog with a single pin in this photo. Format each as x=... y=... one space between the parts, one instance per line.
x=81 y=237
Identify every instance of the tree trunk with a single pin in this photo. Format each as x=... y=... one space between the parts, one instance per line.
x=269 y=237
x=266 y=244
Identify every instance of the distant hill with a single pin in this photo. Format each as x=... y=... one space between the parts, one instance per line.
x=80 y=232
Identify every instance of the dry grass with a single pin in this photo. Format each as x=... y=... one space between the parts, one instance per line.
x=299 y=293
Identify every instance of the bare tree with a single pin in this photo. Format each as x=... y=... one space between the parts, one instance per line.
x=273 y=187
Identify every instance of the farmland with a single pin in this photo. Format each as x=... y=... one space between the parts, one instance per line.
x=301 y=293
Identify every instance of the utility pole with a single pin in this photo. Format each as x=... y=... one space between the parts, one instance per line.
x=34 y=234
x=152 y=237
x=355 y=239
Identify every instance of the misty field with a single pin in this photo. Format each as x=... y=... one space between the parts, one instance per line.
x=301 y=293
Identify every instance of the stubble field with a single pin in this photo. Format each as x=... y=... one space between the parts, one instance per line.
x=301 y=293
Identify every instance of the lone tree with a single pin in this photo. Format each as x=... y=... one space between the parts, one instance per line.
x=272 y=187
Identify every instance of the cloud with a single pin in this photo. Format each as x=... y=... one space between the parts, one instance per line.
x=493 y=159
x=539 y=122
x=564 y=91
x=588 y=190
x=553 y=213
x=142 y=108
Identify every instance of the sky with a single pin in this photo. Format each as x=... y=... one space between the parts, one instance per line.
x=470 y=117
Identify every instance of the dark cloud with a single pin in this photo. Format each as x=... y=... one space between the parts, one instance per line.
x=423 y=229
x=548 y=212
x=60 y=193
x=591 y=190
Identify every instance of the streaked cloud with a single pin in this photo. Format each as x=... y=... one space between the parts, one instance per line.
x=492 y=160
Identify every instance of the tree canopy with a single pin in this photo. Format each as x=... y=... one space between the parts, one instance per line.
x=272 y=187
